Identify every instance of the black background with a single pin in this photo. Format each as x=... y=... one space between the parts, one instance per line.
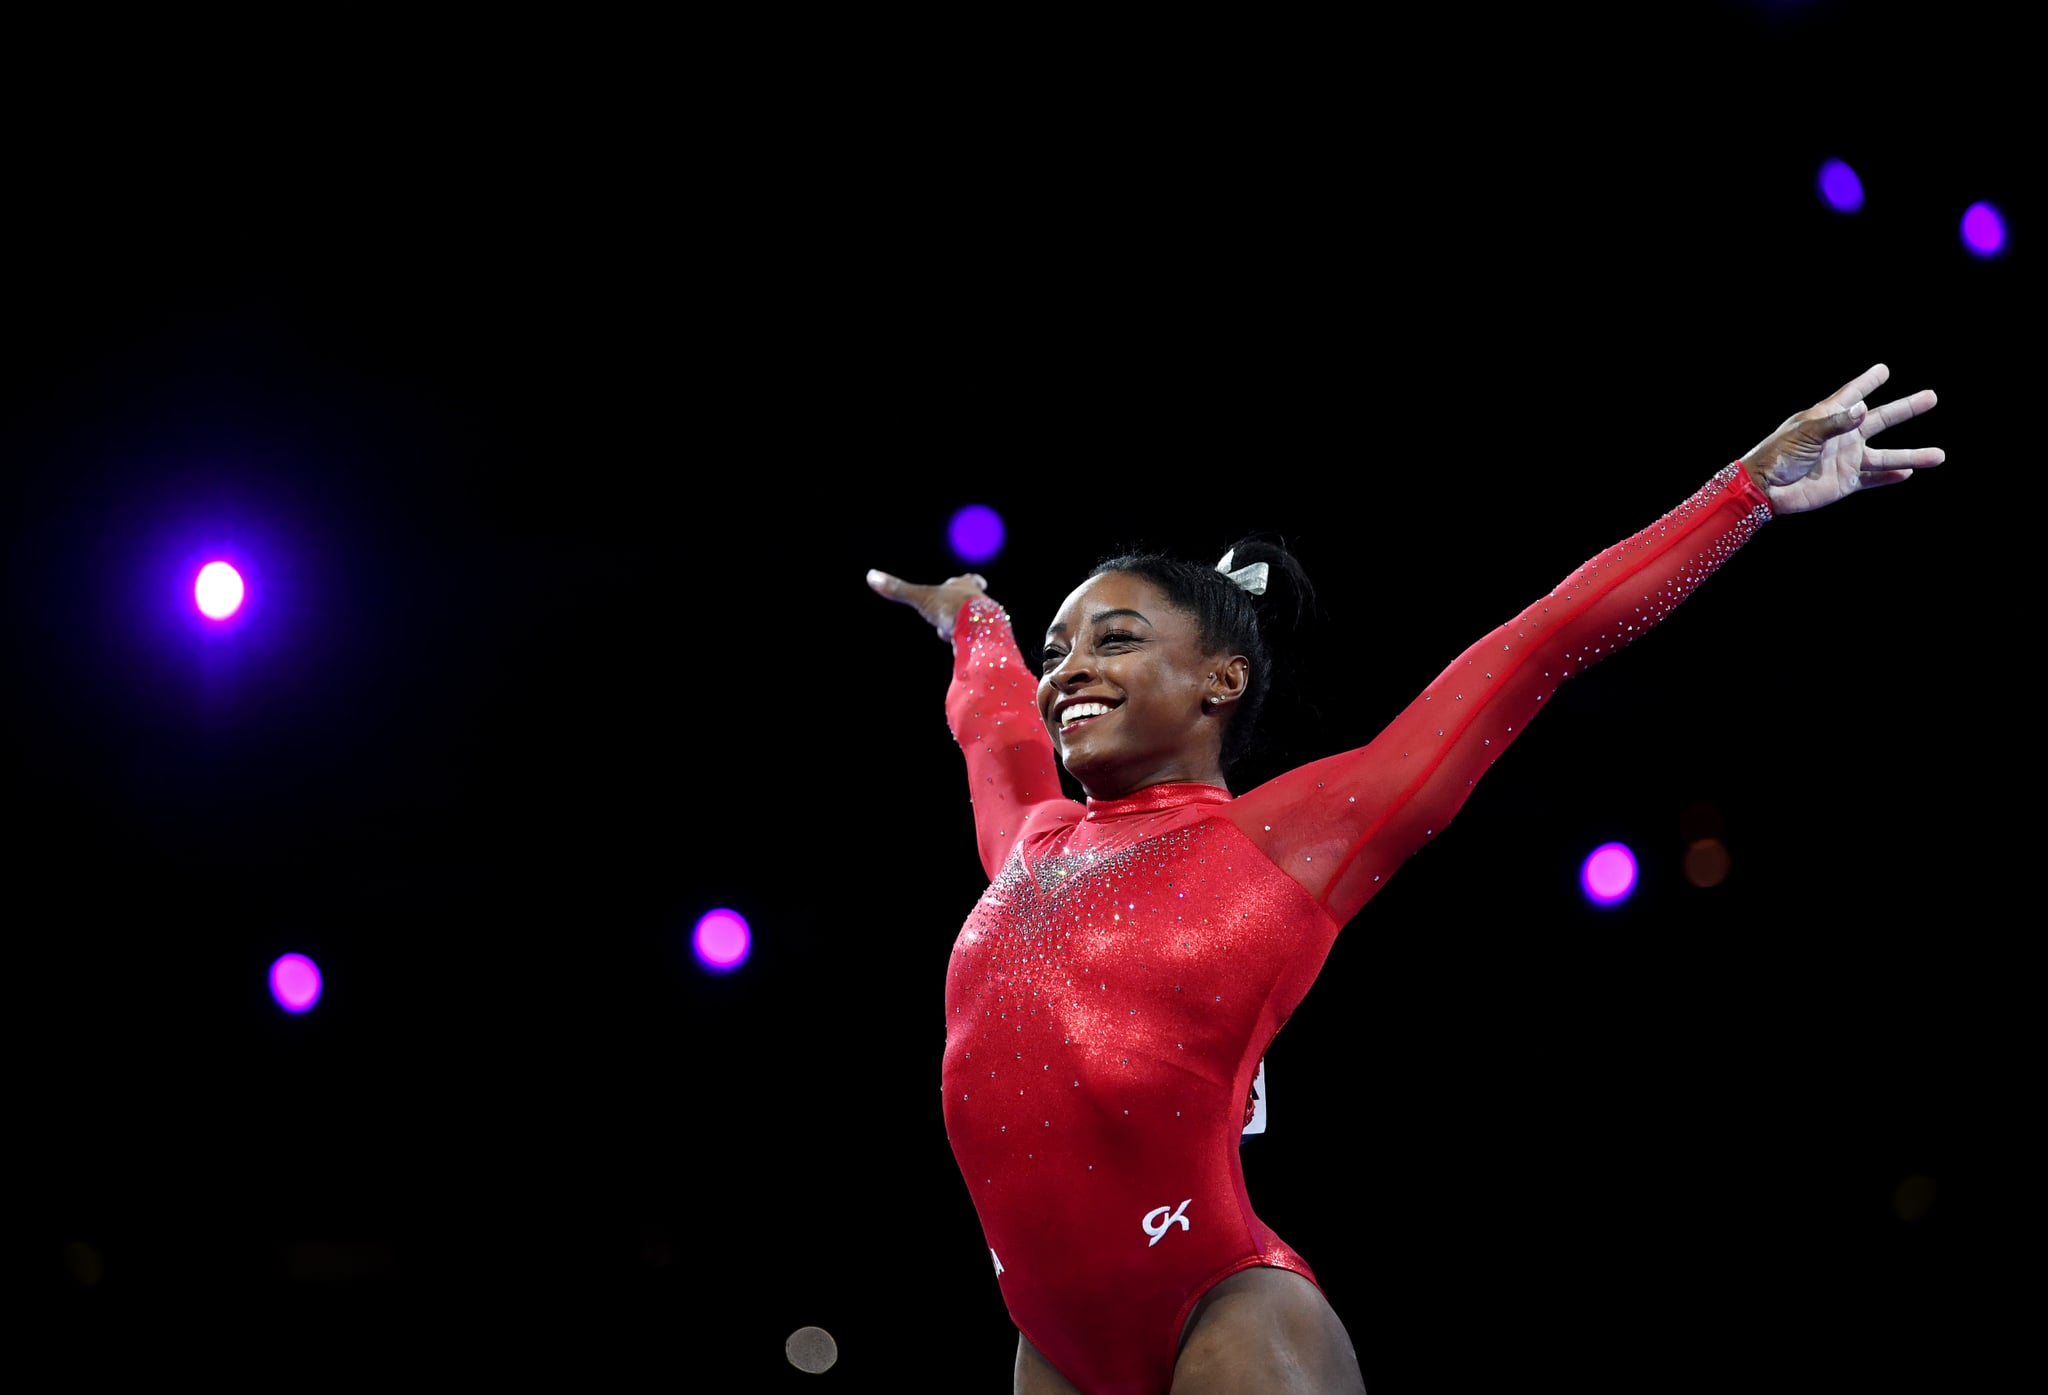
x=559 y=390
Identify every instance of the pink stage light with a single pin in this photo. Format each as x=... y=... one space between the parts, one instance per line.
x=295 y=982
x=721 y=940
x=1608 y=875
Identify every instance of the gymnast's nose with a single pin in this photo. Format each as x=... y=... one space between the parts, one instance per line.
x=1070 y=672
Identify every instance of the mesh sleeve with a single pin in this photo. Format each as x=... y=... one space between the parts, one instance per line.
x=992 y=711
x=1342 y=825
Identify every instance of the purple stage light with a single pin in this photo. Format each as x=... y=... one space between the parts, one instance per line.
x=1839 y=187
x=1983 y=229
x=295 y=982
x=218 y=590
x=1608 y=874
x=721 y=940
x=976 y=533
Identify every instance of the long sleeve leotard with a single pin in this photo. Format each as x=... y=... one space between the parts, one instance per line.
x=1117 y=985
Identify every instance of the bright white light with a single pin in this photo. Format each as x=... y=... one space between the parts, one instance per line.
x=218 y=590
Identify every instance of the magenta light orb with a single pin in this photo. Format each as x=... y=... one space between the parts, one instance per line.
x=1840 y=189
x=1608 y=874
x=1983 y=229
x=721 y=940
x=218 y=590
x=976 y=533
x=295 y=982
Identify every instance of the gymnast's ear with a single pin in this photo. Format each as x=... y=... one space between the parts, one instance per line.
x=1226 y=681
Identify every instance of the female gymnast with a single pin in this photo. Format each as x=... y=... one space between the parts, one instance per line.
x=1115 y=989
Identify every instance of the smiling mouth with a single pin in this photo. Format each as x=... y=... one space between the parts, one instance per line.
x=1081 y=712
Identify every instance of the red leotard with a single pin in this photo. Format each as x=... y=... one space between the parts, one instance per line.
x=1113 y=992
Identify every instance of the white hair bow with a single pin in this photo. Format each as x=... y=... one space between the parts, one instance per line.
x=1251 y=577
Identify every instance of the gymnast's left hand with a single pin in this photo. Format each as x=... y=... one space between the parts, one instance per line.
x=1821 y=455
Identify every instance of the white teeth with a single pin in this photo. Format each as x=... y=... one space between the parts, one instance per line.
x=1082 y=709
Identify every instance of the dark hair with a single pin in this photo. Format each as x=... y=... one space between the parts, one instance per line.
x=1232 y=620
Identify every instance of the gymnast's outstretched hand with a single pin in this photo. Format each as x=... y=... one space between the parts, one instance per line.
x=1820 y=455
x=939 y=604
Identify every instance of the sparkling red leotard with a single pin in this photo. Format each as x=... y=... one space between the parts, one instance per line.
x=1115 y=989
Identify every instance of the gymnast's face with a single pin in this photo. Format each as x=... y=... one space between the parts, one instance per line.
x=1123 y=689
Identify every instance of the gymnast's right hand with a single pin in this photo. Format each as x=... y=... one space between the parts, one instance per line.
x=939 y=605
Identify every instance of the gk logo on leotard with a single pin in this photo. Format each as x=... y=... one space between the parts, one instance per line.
x=1161 y=1219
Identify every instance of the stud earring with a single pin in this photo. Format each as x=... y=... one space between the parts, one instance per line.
x=1214 y=701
